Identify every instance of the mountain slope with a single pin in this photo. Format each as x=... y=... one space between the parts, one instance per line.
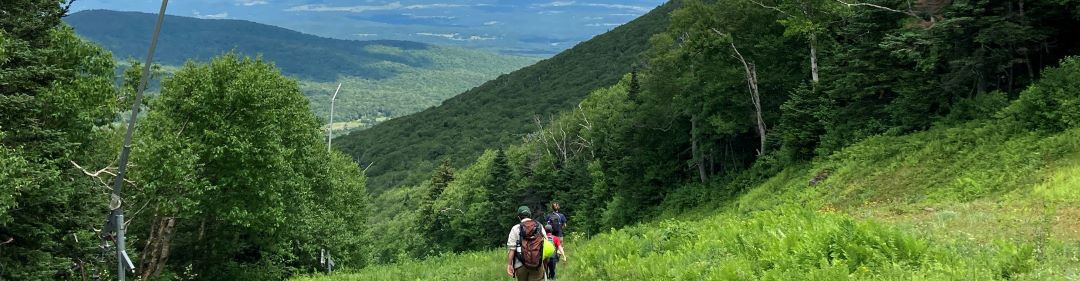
x=403 y=150
x=381 y=78
x=983 y=200
x=182 y=38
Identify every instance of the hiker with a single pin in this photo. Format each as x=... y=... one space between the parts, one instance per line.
x=556 y=220
x=525 y=258
x=559 y=253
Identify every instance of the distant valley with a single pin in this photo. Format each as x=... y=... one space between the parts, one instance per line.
x=380 y=79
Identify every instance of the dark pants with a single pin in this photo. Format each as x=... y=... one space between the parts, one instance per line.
x=527 y=274
x=551 y=266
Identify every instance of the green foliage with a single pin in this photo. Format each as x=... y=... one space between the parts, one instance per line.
x=467 y=266
x=54 y=89
x=394 y=226
x=786 y=229
x=787 y=243
x=686 y=137
x=1052 y=103
x=801 y=125
x=889 y=72
x=496 y=113
x=980 y=107
x=12 y=180
x=472 y=218
x=231 y=151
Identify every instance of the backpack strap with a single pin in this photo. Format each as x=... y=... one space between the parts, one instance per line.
x=521 y=236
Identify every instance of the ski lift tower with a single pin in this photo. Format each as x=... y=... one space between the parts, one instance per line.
x=116 y=217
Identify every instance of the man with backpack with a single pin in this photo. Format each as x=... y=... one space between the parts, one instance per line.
x=557 y=220
x=525 y=258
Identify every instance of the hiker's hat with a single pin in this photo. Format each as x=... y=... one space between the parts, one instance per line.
x=524 y=211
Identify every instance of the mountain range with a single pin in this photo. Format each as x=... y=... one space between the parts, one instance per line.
x=381 y=78
x=532 y=27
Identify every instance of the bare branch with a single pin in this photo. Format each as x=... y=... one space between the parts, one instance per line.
x=98 y=174
x=587 y=125
x=368 y=166
x=879 y=7
x=133 y=215
x=752 y=84
x=770 y=7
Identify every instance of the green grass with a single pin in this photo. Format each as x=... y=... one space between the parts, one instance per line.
x=976 y=201
x=412 y=89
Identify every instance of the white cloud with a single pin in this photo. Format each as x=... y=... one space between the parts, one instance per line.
x=362 y=8
x=593 y=18
x=550 y=12
x=600 y=5
x=444 y=35
x=624 y=15
x=618 y=6
x=491 y=23
x=366 y=34
x=555 y=4
x=251 y=2
x=412 y=16
x=603 y=24
x=457 y=36
x=353 y=9
x=221 y=15
x=432 y=6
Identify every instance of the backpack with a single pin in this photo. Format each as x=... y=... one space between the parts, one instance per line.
x=531 y=244
x=555 y=219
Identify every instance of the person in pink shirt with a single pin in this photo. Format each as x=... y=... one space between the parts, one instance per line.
x=559 y=253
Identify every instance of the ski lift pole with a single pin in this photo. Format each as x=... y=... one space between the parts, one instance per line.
x=117 y=217
x=330 y=128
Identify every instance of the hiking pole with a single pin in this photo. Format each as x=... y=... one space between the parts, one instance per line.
x=117 y=217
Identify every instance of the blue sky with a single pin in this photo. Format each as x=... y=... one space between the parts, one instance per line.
x=513 y=26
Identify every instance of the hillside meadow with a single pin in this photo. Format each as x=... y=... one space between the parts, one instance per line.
x=981 y=200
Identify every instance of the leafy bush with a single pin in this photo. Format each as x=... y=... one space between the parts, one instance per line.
x=1053 y=102
x=979 y=107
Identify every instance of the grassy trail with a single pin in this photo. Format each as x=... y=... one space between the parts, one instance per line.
x=969 y=202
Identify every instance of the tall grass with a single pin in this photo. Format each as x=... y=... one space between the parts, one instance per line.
x=788 y=243
x=997 y=195
x=981 y=200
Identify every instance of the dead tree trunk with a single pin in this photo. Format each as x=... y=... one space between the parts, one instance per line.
x=156 y=252
x=696 y=150
x=752 y=83
x=813 y=59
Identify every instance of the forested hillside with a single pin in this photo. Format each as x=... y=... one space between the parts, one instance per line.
x=382 y=79
x=709 y=139
x=500 y=111
x=735 y=93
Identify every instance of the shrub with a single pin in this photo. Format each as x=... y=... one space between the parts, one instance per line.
x=1053 y=102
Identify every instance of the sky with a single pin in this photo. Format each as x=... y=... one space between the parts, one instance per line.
x=532 y=27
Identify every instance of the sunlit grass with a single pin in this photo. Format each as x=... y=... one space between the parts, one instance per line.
x=969 y=202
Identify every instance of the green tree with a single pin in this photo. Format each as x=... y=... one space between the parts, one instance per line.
x=444 y=174
x=55 y=90
x=433 y=220
x=234 y=164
